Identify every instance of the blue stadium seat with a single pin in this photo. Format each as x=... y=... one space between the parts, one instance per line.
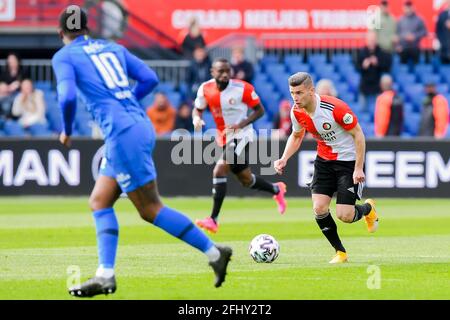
x=293 y=59
x=442 y=88
x=341 y=58
x=298 y=67
x=270 y=59
x=324 y=69
x=14 y=129
x=317 y=59
x=423 y=69
x=427 y=78
x=412 y=123
x=39 y=130
x=165 y=87
x=275 y=68
x=45 y=86
x=174 y=98
x=400 y=69
x=209 y=120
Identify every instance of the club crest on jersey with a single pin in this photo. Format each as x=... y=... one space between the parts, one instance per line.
x=348 y=118
x=326 y=126
x=232 y=101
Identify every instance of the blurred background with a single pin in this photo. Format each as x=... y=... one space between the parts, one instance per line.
x=389 y=60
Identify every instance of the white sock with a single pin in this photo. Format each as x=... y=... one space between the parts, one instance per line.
x=213 y=254
x=104 y=272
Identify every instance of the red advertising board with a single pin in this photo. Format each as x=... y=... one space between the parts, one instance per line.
x=220 y=18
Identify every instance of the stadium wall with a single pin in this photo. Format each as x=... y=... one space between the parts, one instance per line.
x=394 y=168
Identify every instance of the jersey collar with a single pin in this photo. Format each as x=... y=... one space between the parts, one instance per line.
x=81 y=38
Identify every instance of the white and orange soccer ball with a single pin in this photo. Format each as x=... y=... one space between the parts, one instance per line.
x=264 y=248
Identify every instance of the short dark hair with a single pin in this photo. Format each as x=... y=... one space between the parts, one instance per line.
x=73 y=21
x=299 y=78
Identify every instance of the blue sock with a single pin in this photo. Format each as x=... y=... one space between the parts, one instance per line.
x=182 y=227
x=107 y=236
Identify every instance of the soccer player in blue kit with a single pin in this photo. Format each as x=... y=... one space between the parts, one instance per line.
x=100 y=70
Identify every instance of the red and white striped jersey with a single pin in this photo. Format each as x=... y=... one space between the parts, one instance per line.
x=329 y=125
x=228 y=107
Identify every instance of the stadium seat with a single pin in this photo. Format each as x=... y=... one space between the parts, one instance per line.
x=39 y=130
x=14 y=129
x=270 y=59
x=293 y=59
x=174 y=99
x=317 y=59
x=298 y=67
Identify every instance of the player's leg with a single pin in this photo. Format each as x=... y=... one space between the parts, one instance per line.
x=136 y=175
x=240 y=166
x=347 y=194
x=105 y=193
x=323 y=187
x=148 y=203
x=219 y=192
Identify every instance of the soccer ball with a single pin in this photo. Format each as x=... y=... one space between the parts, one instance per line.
x=264 y=248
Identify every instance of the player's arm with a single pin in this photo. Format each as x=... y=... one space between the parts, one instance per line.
x=67 y=95
x=292 y=146
x=146 y=78
x=200 y=105
x=360 y=147
x=251 y=99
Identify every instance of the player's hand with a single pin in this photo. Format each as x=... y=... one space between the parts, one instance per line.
x=198 y=123
x=65 y=139
x=358 y=176
x=279 y=165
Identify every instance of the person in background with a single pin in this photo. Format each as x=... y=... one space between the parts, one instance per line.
x=162 y=114
x=410 y=31
x=193 y=39
x=6 y=101
x=242 y=69
x=386 y=32
x=443 y=33
x=435 y=114
x=14 y=74
x=29 y=105
x=199 y=70
x=372 y=63
x=326 y=87
x=388 y=110
x=184 y=118
x=282 y=120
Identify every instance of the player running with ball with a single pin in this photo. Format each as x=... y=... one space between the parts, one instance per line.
x=340 y=158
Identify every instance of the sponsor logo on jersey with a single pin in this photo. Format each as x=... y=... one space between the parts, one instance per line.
x=348 y=118
x=326 y=126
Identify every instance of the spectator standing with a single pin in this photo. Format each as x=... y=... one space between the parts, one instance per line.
x=162 y=114
x=29 y=105
x=443 y=33
x=386 y=33
x=193 y=39
x=184 y=118
x=435 y=114
x=199 y=70
x=6 y=101
x=372 y=63
x=388 y=110
x=242 y=69
x=410 y=31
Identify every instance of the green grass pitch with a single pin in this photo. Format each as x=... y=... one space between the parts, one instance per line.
x=41 y=237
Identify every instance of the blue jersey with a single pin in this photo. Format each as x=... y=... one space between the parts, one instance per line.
x=100 y=70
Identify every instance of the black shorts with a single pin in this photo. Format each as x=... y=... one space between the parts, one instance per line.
x=332 y=176
x=236 y=155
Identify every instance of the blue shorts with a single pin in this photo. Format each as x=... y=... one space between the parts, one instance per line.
x=128 y=157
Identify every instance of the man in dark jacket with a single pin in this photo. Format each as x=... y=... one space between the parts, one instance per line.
x=199 y=71
x=443 y=33
x=242 y=69
x=372 y=63
x=410 y=31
